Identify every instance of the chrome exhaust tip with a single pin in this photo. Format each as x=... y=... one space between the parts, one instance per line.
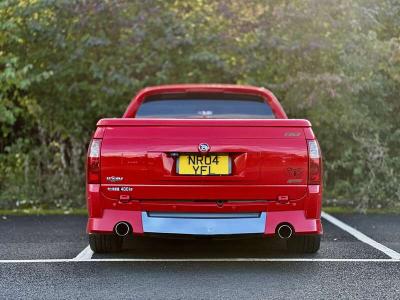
x=122 y=228
x=285 y=231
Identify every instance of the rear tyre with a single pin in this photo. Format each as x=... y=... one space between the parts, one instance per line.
x=105 y=243
x=304 y=243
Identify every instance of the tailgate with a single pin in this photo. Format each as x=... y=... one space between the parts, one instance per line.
x=268 y=159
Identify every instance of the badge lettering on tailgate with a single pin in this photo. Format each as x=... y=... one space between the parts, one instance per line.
x=114 y=178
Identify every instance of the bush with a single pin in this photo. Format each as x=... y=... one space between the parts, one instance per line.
x=66 y=64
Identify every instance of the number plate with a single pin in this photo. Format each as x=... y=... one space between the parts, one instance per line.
x=203 y=165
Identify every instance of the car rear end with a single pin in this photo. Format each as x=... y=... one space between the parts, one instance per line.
x=204 y=170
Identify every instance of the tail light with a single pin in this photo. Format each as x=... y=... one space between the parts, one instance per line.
x=314 y=163
x=93 y=162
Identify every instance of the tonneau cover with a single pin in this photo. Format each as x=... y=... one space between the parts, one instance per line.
x=204 y=122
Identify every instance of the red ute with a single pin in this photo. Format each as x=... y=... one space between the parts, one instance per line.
x=204 y=160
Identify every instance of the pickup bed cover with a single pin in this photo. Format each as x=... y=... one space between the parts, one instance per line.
x=204 y=122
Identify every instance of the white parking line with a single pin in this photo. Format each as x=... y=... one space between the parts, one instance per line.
x=86 y=254
x=16 y=261
x=13 y=261
x=361 y=236
x=247 y=260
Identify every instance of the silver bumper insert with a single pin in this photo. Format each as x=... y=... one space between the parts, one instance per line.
x=204 y=223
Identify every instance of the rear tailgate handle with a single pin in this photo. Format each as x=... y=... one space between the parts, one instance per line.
x=283 y=199
x=124 y=198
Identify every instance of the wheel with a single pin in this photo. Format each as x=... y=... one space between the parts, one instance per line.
x=304 y=243
x=103 y=243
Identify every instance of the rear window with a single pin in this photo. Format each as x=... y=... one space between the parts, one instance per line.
x=205 y=106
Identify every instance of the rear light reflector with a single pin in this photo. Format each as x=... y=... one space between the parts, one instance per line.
x=314 y=163
x=93 y=162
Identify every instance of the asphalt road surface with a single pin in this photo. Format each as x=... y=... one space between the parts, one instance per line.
x=48 y=258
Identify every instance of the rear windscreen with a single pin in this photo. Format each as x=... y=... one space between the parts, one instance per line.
x=205 y=106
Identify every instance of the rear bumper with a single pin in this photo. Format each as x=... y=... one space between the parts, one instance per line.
x=303 y=215
x=205 y=224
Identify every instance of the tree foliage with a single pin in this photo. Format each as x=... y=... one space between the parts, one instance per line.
x=66 y=63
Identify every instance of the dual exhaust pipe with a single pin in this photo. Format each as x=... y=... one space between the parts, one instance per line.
x=284 y=231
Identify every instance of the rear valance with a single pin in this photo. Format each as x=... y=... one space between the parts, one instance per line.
x=204 y=122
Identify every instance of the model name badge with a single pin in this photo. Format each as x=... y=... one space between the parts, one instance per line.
x=114 y=178
x=120 y=189
x=290 y=133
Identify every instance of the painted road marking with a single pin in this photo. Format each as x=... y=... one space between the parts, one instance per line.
x=361 y=236
x=85 y=254
x=8 y=261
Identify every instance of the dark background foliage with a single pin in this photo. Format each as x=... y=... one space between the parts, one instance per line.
x=64 y=64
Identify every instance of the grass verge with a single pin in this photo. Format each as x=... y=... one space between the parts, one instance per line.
x=349 y=210
x=43 y=212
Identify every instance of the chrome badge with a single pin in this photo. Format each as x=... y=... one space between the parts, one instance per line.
x=203 y=147
x=114 y=178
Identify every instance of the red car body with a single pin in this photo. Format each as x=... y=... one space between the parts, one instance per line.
x=133 y=177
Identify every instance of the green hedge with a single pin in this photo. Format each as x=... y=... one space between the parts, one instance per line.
x=64 y=64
